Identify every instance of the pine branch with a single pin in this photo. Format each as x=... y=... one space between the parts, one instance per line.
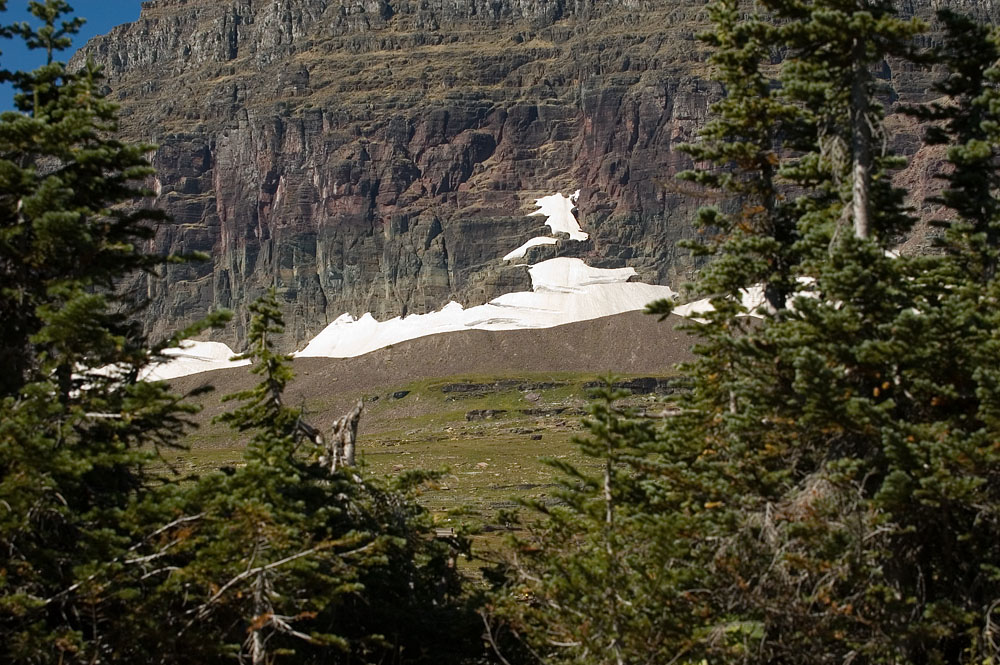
x=201 y=610
x=121 y=557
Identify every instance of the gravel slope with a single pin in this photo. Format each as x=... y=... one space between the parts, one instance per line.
x=630 y=343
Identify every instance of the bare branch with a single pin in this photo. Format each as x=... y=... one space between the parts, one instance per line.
x=281 y=624
x=73 y=587
x=489 y=638
x=271 y=566
x=152 y=557
x=157 y=571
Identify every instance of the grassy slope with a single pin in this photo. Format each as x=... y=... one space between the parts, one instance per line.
x=487 y=463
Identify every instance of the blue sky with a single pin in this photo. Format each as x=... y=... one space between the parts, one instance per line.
x=101 y=15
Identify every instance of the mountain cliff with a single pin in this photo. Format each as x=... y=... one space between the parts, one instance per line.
x=382 y=155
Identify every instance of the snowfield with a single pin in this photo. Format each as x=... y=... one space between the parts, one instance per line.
x=752 y=299
x=558 y=210
x=521 y=251
x=193 y=357
x=563 y=290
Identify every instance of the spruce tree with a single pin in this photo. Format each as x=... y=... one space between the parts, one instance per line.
x=77 y=431
x=966 y=123
x=598 y=579
x=283 y=560
x=752 y=246
x=832 y=474
x=66 y=229
x=832 y=48
x=854 y=465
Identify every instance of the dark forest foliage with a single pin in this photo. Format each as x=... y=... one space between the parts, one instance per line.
x=828 y=492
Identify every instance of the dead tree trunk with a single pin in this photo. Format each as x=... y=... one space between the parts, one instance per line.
x=862 y=143
x=258 y=650
x=343 y=438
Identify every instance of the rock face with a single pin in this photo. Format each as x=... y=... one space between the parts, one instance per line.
x=381 y=155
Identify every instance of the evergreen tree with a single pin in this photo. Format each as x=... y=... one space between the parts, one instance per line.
x=77 y=431
x=832 y=474
x=855 y=470
x=754 y=246
x=67 y=229
x=597 y=580
x=832 y=48
x=967 y=124
x=284 y=560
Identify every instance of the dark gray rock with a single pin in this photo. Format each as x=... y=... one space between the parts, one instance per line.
x=484 y=414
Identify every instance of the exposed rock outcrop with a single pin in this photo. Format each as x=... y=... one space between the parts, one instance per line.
x=381 y=155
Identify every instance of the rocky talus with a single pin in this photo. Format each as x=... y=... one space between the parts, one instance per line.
x=379 y=155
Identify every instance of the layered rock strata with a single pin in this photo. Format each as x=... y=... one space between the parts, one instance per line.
x=382 y=155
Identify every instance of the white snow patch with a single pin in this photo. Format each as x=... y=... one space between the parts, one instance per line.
x=523 y=249
x=193 y=357
x=564 y=290
x=752 y=299
x=559 y=210
x=573 y=274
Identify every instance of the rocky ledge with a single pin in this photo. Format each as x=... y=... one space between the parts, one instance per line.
x=380 y=155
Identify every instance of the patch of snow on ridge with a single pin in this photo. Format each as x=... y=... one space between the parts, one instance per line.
x=523 y=249
x=564 y=290
x=752 y=298
x=559 y=210
x=573 y=274
x=193 y=357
